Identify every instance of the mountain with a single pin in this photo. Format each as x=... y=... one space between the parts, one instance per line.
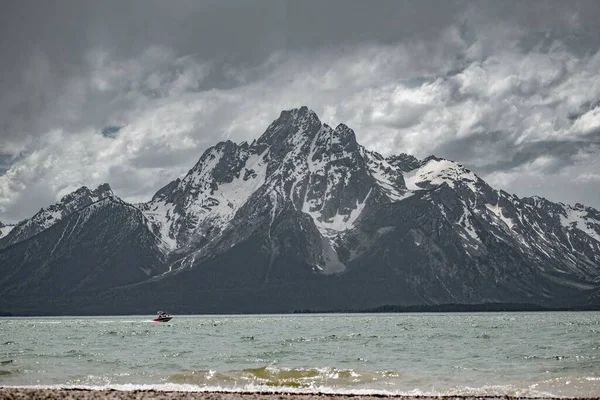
x=303 y=217
x=48 y=216
x=88 y=242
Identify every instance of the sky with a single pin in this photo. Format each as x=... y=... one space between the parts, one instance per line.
x=132 y=92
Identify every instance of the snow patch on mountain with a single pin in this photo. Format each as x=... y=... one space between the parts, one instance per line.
x=579 y=218
x=230 y=196
x=438 y=171
x=498 y=212
x=296 y=167
x=208 y=201
x=468 y=230
x=332 y=264
x=5 y=230
x=160 y=214
x=386 y=175
x=318 y=163
x=339 y=222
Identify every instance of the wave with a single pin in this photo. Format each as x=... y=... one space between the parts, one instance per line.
x=269 y=376
x=271 y=379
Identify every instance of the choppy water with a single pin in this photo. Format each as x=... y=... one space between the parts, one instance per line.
x=525 y=354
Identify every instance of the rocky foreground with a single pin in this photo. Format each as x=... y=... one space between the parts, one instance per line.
x=19 y=393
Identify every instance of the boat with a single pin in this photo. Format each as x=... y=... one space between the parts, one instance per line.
x=162 y=317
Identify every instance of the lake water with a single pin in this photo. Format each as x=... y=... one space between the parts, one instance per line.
x=524 y=354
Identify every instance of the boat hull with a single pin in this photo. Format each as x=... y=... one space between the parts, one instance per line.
x=167 y=319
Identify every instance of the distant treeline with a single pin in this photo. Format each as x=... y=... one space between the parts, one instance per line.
x=453 y=308
x=491 y=307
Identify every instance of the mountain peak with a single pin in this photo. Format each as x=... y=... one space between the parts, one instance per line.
x=291 y=122
x=535 y=200
x=102 y=191
x=436 y=158
x=48 y=216
x=302 y=110
x=300 y=115
x=103 y=188
x=345 y=131
x=405 y=162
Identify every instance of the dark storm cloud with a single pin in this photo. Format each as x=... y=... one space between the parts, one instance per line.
x=132 y=92
x=46 y=43
x=246 y=31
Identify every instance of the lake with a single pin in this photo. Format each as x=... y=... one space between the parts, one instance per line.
x=523 y=354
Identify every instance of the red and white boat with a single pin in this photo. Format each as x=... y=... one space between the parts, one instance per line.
x=162 y=317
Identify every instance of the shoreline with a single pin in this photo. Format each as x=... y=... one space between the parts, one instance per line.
x=446 y=308
x=19 y=393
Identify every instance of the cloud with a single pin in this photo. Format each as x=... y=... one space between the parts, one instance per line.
x=519 y=107
x=570 y=184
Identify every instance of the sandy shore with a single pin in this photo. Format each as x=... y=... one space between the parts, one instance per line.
x=14 y=393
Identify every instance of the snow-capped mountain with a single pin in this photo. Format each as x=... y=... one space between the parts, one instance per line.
x=298 y=158
x=304 y=216
x=104 y=244
x=50 y=215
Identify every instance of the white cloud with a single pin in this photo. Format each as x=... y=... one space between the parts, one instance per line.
x=482 y=103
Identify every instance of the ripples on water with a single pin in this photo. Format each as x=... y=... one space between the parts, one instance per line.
x=525 y=354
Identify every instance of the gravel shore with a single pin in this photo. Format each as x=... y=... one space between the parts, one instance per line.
x=82 y=394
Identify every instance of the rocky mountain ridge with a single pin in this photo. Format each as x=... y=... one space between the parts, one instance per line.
x=50 y=215
x=305 y=207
